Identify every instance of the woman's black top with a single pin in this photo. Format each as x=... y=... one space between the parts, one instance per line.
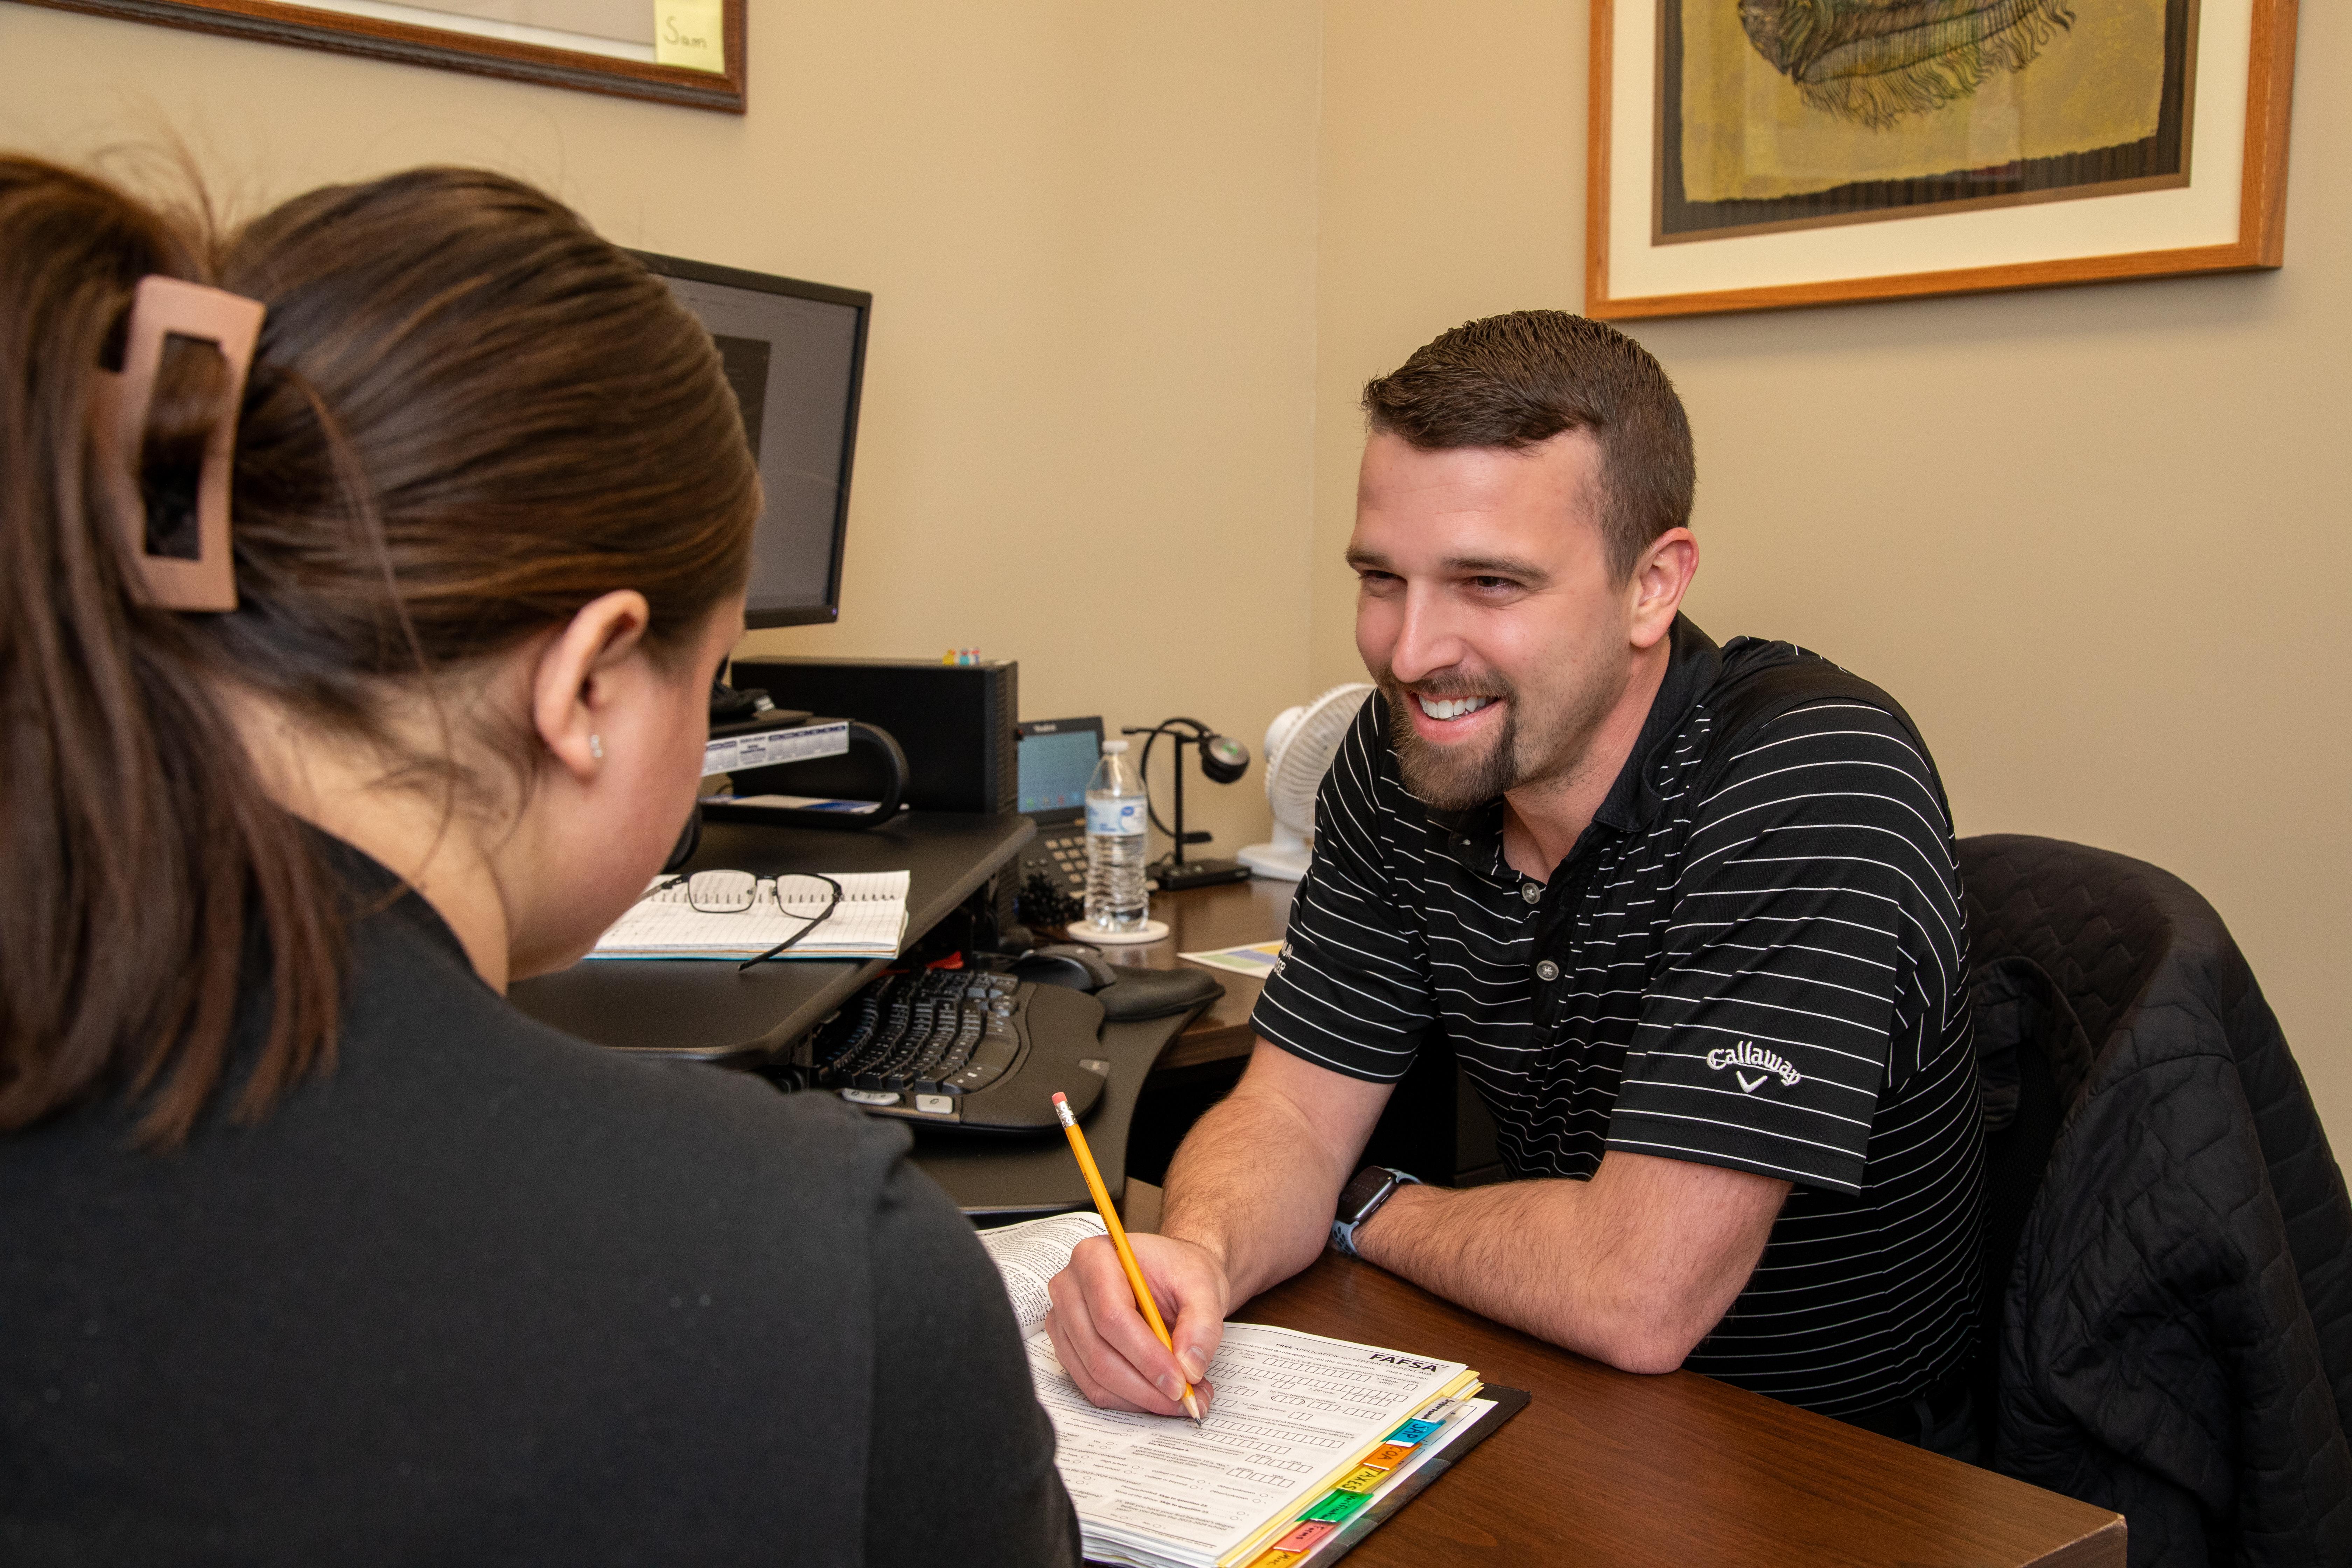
x=487 y=1294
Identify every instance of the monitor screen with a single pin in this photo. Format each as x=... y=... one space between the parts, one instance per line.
x=794 y=354
x=1057 y=758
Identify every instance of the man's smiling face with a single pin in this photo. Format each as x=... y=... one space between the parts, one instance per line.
x=1486 y=613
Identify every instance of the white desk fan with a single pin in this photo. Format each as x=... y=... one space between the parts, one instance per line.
x=1299 y=746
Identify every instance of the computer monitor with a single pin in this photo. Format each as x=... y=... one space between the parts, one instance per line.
x=1057 y=757
x=795 y=354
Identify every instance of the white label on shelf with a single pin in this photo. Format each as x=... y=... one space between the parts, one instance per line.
x=766 y=748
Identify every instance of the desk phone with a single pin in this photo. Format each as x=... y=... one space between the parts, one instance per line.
x=1057 y=756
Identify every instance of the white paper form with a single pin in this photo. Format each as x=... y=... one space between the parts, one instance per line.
x=1293 y=1413
x=1030 y=1254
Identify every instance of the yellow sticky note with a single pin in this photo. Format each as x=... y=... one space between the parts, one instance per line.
x=691 y=33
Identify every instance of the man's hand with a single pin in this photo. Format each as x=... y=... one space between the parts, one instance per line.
x=1249 y=1202
x=1102 y=1340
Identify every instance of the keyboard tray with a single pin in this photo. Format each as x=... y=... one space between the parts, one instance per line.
x=961 y=1048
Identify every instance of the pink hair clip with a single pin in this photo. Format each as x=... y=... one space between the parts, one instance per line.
x=164 y=308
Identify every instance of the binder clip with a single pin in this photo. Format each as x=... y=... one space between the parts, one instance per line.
x=181 y=549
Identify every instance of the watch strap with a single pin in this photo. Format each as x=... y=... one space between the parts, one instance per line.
x=1344 y=1226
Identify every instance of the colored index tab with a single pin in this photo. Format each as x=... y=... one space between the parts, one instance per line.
x=1304 y=1535
x=1338 y=1508
x=1389 y=1456
x=1276 y=1557
x=1413 y=1432
x=1362 y=1478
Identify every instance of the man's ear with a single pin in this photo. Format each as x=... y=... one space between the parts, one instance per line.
x=571 y=688
x=1661 y=576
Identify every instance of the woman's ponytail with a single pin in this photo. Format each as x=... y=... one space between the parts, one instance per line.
x=144 y=871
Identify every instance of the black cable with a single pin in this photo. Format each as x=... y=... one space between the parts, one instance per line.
x=1202 y=734
x=1043 y=902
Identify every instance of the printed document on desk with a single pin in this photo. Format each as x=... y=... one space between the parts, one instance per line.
x=1029 y=1255
x=1258 y=959
x=1295 y=1417
x=869 y=922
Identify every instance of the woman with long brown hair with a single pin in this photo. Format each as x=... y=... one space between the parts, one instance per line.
x=338 y=689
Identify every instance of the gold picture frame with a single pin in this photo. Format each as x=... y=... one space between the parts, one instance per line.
x=1688 y=212
x=535 y=44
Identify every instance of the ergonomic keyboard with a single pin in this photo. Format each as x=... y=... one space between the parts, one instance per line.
x=962 y=1049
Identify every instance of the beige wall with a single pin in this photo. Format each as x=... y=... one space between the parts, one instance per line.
x=2095 y=539
x=1089 y=229
x=1133 y=262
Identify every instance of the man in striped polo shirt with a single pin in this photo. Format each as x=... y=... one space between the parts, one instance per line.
x=1688 y=916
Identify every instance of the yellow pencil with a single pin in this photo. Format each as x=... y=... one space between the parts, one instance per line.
x=1119 y=1239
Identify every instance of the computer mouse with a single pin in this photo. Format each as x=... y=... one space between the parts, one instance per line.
x=1079 y=968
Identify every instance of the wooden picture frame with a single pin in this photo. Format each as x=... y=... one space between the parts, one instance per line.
x=2223 y=209
x=410 y=35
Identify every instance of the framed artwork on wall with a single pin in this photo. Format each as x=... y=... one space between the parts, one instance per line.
x=1756 y=155
x=686 y=52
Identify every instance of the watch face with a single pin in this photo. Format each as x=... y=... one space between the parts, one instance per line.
x=1368 y=1184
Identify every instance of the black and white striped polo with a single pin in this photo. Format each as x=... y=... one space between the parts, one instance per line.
x=1767 y=977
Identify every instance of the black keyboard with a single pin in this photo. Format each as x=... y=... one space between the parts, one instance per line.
x=962 y=1049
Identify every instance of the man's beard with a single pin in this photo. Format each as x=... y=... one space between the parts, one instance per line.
x=1546 y=745
x=1452 y=778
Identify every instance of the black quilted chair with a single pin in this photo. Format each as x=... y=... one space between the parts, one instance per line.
x=2168 y=1248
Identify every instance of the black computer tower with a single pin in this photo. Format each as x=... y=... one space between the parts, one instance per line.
x=954 y=721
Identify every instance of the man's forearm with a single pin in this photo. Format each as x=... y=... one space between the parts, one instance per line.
x=1255 y=1183
x=1633 y=1268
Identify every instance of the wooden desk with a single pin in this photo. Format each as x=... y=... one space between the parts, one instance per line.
x=1608 y=1468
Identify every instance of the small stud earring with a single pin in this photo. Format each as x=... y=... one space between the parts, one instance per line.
x=596 y=747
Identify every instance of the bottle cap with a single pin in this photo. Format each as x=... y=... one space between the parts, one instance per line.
x=1114 y=748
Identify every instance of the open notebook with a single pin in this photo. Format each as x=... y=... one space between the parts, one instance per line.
x=869 y=923
x=1309 y=1443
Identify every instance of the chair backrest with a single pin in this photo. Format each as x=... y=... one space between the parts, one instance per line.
x=2061 y=937
x=2066 y=942
x=2097 y=923
x=2025 y=1030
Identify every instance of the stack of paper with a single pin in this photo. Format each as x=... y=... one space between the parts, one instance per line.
x=869 y=922
x=1305 y=1434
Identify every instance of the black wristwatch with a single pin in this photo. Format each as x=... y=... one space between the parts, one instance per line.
x=1360 y=1199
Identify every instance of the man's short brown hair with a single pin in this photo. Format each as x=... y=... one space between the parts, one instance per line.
x=1512 y=381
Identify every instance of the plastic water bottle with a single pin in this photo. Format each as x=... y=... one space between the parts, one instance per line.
x=1117 y=813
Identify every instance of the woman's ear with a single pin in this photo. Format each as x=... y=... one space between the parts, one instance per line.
x=573 y=679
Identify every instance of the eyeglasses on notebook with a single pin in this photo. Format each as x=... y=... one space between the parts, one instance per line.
x=738 y=892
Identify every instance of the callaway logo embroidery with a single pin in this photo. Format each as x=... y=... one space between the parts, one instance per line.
x=1747 y=1054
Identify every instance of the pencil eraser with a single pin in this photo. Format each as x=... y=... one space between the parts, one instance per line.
x=1060 y=1098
